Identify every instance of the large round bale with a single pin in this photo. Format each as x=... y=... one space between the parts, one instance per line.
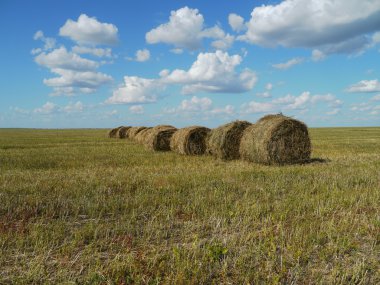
x=132 y=132
x=276 y=139
x=158 y=138
x=224 y=141
x=190 y=140
x=113 y=133
x=140 y=137
x=122 y=132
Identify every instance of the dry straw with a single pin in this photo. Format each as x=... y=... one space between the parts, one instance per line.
x=276 y=139
x=113 y=133
x=224 y=141
x=122 y=132
x=132 y=132
x=158 y=138
x=190 y=140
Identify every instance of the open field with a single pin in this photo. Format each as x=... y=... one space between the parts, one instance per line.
x=77 y=207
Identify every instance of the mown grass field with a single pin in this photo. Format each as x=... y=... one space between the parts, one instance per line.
x=79 y=208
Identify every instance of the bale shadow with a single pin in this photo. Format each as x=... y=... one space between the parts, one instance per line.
x=315 y=160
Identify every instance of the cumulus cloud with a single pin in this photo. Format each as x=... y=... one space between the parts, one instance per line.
x=49 y=43
x=328 y=25
x=136 y=109
x=267 y=92
x=195 y=104
x=136 y=90
x=76 y=107
x=200 y=105
x=290 y=102
x=70 y=81
x=213 y=72
x=50 y=108
x=77 y=75
x=365 y=86
x=61 y=58
x=185 y=29
x=142 y=55
x=236 y=22
x=99 y=52
x=88 y=30
x=288 y=64
x=366 y=107
x=46 y=109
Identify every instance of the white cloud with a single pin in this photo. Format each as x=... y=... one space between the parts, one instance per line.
x=236 y=22
x=99 y=52
x=46 y=109
x=89 y=30
x=365 y=86
x=200 y=105
x=74 y=107
x=136 y=90
x=69 y=80
x=142 y=55
x=288 y=64
x=227 y=110
x=177 y=50
x=317 y=55
x=366 y=107
x=61 y=58
x=185 y=29
x=224 y=43
x=257 y=107
x=376 y=98
x=195 y=104
x=329 y=25
x=266 y=93
x=290 y=102
x=213 y=72
x=136 y=109
x=49 y=43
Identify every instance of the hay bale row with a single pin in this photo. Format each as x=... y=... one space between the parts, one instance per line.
x=274 y=139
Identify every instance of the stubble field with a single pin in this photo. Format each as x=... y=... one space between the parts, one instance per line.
x=79 y=208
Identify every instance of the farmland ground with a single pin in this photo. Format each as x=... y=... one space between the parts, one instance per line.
x=77 y=207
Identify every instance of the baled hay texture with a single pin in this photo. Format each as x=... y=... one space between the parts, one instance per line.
x=190 y=140
x=276 y=139
x=132 y=132
x=224 y=141
x=140 y=137
x=122 y=132
x=113 y=133
x=158 y=138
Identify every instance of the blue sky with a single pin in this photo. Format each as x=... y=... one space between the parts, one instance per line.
x=77 y=64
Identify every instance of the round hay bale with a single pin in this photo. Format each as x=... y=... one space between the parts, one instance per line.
x=140 y=137
x=276 y=139
x=122 y=132
x=158 y=138
x=132 y=132
x=113 y=133
x=224 y=141
x=190 y=140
